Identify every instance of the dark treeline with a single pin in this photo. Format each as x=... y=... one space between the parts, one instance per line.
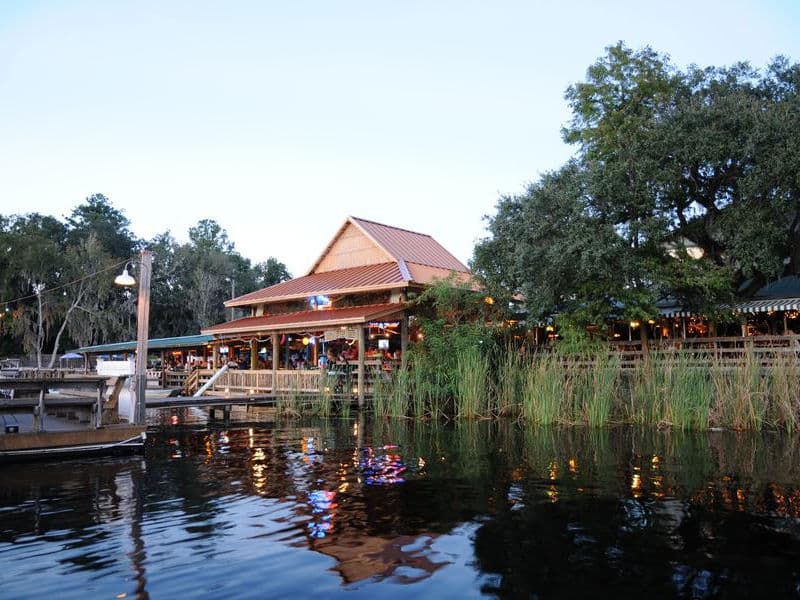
x=685 y=184
x=51 y=264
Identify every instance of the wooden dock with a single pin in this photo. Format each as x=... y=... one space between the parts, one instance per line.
x=51 y=417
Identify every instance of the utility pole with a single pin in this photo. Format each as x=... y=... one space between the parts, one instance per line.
x=142 y=335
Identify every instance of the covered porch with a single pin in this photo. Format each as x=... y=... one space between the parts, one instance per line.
x=336 y=351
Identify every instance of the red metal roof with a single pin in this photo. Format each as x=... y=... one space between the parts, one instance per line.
x=410 y=246
x=307 y=319
x=382 y=276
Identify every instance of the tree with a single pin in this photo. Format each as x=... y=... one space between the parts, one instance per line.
x=668 y=162
x=563 y=256
x=97 y=217
x=35 y=262
x=270 y=272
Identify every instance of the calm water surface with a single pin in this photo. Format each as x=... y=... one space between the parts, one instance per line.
x=363 y=509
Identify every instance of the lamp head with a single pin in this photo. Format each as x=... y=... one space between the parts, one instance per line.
x=125 y=279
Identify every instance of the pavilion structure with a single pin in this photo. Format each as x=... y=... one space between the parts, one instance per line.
x=349 y=310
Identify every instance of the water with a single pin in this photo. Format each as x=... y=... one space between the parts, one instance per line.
x=404 y=509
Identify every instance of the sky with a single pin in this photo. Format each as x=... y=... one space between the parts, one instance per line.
x=280 y=119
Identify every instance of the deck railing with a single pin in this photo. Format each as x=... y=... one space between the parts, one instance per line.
x=767 y=349
x=313 y=381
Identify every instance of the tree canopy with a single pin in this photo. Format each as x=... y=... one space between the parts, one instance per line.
x=56 y=279
x=685 y=184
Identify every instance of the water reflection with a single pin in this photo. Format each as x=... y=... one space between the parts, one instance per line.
x=401 y=508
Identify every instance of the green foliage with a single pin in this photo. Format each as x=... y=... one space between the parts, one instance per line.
x=79 y=304
x=668 y=161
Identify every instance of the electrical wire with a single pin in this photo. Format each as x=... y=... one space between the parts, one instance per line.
x=64 y=285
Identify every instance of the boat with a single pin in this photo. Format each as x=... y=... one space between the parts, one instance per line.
x=111 y=440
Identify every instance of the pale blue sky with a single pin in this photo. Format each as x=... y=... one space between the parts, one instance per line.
x=278 y=119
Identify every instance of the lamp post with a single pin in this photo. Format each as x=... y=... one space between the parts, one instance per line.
x=142 y=328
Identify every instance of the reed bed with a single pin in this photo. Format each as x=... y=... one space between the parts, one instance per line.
x=588 y=387
x=593 y=388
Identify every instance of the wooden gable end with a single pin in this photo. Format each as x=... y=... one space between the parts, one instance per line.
x=351 y=248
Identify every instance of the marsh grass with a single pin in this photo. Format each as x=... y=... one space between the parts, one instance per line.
x=290 y=404
x=472 y=384
x=543 y=390
x=784 y=393
x=741 y=394
x=511 y=378
x=647 y=386
x=382 y=392
x=598 y=387
x=595 y=389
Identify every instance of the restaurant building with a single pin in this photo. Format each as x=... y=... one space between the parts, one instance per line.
x=348 y=311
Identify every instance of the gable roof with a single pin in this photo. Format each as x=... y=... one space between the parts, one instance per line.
x=405 y=258
x=400 y=245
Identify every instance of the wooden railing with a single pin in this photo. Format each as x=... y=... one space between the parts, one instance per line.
x=337 y=382
x=723 y=350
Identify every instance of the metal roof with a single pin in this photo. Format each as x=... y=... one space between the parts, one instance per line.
x=185 y=341
x=307 y=319
x=771 y=305
x=785 y=287
x=370 y=277
x=410 y=246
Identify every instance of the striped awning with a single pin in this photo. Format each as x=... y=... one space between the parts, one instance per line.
x=770 y=305
x=675 y=311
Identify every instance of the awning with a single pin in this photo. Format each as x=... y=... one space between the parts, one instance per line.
x=184 y=341
x=307 y=320
x=771 y=305
x=675 y=311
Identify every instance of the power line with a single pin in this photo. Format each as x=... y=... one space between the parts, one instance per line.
x=64 y=285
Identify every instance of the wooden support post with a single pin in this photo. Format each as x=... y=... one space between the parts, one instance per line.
x=683 y=325
x=361 y=352
x=275 y=354
x=38 y=413
x=142 y=329
x=215 y=360
x=98 y=415
x=403 y=341
x=253 y=354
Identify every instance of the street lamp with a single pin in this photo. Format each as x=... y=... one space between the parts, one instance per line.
x=142 y=327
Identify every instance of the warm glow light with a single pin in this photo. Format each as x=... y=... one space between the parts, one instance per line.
x=634 y=324
x=488 y=300
x=125 y=279
x=305 y=341
x=549 y=328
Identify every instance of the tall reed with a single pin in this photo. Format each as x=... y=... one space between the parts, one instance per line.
x=741 y=394
x=512 y=367
x=784 y=392
x=688 y=396
x=647 y=387
x=597 y=385
x=472 y=384
x=544 y=389
x=382 y=392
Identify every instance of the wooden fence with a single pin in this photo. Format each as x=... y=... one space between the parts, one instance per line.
x=731 y=351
